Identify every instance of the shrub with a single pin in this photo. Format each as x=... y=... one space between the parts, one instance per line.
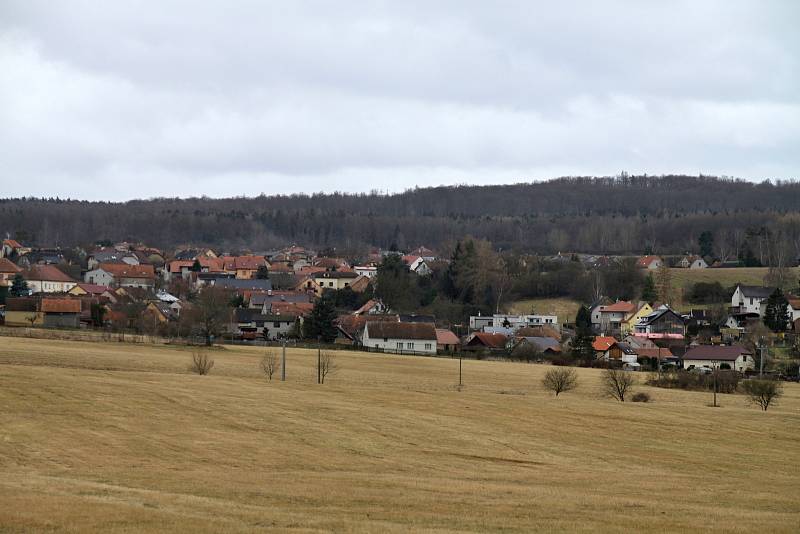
x=201 y=363
x=560 y=379
x=762 y=392
x=641 y=396
x=618 y=383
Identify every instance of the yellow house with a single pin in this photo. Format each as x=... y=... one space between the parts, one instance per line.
x=334 y=279
x=626 y=326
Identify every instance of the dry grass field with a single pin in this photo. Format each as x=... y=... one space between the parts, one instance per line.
x=565 y=309
x=120 y=438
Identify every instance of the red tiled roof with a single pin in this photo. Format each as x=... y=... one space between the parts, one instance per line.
x=12 y=243
x=291 y=308
x=654 y=353
x=493 y=341
x=620 y=306
x=123 y=270
x=61 y=306
x=175 y=266
x=446 y=337
x=645 y=261
x=94 y=289
x=603 y=343
x=7 y=266
x=47 y=273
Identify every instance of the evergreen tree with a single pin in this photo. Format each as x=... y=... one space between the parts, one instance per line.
x=582 y=348
x=776 y=315
x=649 y=293
x=706 y=243
x=262 y=273
x=320 y=324
x=19 y=286
x=395 y=285
x=196 y=267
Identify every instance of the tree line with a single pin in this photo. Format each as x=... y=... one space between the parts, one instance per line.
x=612 y=215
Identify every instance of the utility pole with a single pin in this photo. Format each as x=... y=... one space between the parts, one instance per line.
x=319 y=360
x=283 y=362
x=762 y=348
x=459 y=370
x=714 y=364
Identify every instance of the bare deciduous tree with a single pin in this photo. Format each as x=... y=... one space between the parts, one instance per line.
x=327 y=365
x=617 y=383
x=270 y=364
x=762 y=392
x=560 y=379
x=201 y=362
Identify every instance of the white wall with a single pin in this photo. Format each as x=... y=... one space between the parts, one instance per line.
x=426 y=346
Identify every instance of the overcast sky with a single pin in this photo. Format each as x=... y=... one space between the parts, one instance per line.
x=118 y=100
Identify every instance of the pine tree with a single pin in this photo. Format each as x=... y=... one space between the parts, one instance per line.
x=649 y=293
x=320 y=324
x=776 y=315
x=19 y=287
x=582 y=348
x=706 y=242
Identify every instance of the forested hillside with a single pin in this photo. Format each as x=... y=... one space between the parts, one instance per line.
x=625 y=214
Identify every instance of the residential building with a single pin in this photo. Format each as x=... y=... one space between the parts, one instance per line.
x=693 y=262
x=747 y=300
x=370 y=271
x=663 y=323
x=122 y=275
x=7 y=272
x=400 y=337
x=650 y=262
x=334 y=279
x=43 y=311
x=48 y=279
x=508 y=324
x=736 y=357
x=486 y=341
x=446 y=340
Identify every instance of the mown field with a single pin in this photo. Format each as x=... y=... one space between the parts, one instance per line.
x=114 y=437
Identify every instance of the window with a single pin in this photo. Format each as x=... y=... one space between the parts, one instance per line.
x=400 y=345
x=276 y=324
x=427 y=346
x=330 y=284
x=409 y=346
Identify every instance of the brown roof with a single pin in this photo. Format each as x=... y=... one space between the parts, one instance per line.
x=645 y=261
x=538 y=331
x=394 y=330
x=493 y=341
x=47 y=273
x=336 y=274
x=61 y=305
x=446 y=337
x=619 y=306
x=716 y=352
x=94 y=289
x=291 y=308
x=355 y=323
x=8 y=267
x=654 y=353
x=603 y=343
x=11 y=243
x=123 y=270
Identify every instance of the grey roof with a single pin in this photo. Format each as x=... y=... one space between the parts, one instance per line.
x=238 y=284
x=543 y=343
x=259 y=299
x=760 y=292
x=413 y=318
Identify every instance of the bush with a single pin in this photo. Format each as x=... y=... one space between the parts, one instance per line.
x=641 y=396
x=618 y=383
x=201 y=363
x=762 y=392
x=727 y=381
x=560 y=379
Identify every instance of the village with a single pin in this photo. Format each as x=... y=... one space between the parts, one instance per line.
x=296 y=295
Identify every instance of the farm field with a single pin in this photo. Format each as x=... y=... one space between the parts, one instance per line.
x=115 y=437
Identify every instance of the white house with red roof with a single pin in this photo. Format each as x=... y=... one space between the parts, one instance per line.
x=649 y=262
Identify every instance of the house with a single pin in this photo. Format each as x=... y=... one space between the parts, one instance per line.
x=544 y=345
x=639 y=342
x=747 y=300
x=110 y=255
x=360 y=284
x=93 y=290
x=48 y=279
x=417 y=264
x=446 y=340
x=486 y=341
x=7 y=272
x=602 y=346
x=508 y=324
x=400 y=337
x=351 y=327
x=122 y=275
x=649 y=262
x=334 y=279
x=424 y=253
x=539 y=331
x=43 y=311
x=12 y=248
x=736 y=357
x=609 y=318
x=243 y=267
x=693 y=262
x=663 y=323
x=794 y=309
x=370 y=271
x=298 y=309
x=250 y=324
x=240 y=285
x=416 y=318
x=372 y=307
x=628 y=323
x=159 y=312
x=264 y=300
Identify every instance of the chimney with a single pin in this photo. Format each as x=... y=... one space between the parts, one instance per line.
x=269 y=292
